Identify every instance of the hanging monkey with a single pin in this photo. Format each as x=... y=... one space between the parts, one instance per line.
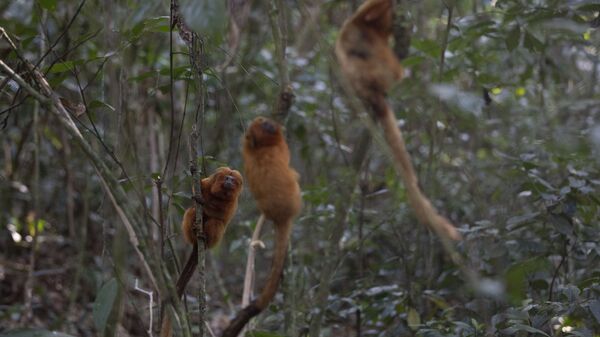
x=274 y=185
x=370 y=66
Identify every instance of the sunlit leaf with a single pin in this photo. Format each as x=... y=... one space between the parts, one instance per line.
x=413 y=319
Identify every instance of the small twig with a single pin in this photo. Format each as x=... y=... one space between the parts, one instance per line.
x=210 y=331
x=162 y=234
x=163 y=230
x=150 y=295
x=171 y=90
x=249 y=276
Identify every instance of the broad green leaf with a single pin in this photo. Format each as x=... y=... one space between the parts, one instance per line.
x=516 y=276
x=104 y=303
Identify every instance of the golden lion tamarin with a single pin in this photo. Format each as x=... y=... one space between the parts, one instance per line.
x=274 y=185
x=220 y=192
x=369 y=64
x=219 y=200
x=363 y=51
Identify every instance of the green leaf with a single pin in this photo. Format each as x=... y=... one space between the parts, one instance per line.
x=562 y=224
x=413 y=60
x=513 y=38
x=48 y=4
x=205 y=17
x=64 y=66
x=533 y=43
x=522 y=327
x=429 y=47
x=413 y=319
x=517 y=221
x=591 y=6
x=33 y=333
x=159 y=24
x=104 y=303
x=95 y=104
x=516 y=276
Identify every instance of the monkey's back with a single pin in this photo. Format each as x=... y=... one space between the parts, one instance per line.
x=273 y=183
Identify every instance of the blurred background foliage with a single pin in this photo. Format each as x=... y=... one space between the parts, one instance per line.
x=500 y=109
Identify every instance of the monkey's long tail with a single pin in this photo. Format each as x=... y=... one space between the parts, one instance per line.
x=282 y=237
x=425 y=212
x=187 y=271
x=182 y=281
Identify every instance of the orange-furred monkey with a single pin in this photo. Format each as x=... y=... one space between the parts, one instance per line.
x=219 y=200
x=370 y=66
x=220 y=192
x=363 y=51
x=274 y=185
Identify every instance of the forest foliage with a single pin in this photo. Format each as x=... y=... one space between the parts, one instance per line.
x=500 y=107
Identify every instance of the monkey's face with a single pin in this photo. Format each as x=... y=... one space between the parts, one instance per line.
x=226 y=183
x=263 y=132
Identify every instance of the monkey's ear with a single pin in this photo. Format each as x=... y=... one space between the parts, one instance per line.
x=238 y=176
